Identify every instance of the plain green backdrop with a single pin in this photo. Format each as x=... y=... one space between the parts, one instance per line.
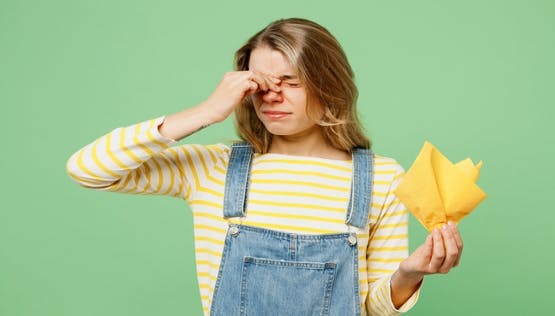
x=474 y=77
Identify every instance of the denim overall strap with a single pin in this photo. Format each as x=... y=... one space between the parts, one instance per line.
x=236 y=180
x=361 y=188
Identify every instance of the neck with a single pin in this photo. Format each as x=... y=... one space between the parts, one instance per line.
x=309 y=143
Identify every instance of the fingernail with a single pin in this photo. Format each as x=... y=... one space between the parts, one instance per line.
x=450 y=223
x=444 y=227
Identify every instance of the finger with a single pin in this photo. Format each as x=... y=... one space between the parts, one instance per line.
x=424 y=251
x=273 y=82
x=451 y=249
x=260 y=80
x=438 y=252
x=458 y=240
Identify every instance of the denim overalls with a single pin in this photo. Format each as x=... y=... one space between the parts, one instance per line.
x=268 y=272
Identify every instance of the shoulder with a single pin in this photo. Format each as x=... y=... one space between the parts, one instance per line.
x=387 y=171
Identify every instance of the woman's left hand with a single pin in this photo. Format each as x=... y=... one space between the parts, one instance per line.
x=439 y=254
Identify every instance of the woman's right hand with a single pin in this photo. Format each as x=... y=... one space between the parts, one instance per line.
x=234 y=87
x=229 y=93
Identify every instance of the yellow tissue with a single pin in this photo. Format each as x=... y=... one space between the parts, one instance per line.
x=437 y=191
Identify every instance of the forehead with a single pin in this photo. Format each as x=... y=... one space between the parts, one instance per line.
x=270 y=61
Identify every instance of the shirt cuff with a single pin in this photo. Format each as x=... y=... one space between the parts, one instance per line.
x=155 y=132
x=411 y=301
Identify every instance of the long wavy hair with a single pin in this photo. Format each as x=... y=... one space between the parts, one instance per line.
x=324 y=71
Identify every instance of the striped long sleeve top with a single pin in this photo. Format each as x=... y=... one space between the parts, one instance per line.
x=304 y=195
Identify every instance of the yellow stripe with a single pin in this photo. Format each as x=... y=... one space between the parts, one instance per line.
x=290 y=227
x=147 y=174
x=85 y=180
x=302 y=162
x=138 y=142
x=301 y=194
x=394 y=225
x=191 y=165
x=220 y=170
x=208 y=215
x=151 y=137
x=386 y=206
x=399 y=248
x=210 y=228
x=218 y=149
x=205 y=168
x=387 y=215
x=297 y=172
x=125 y=149
x=381 y=161
x=172 y=174
x=205 y=286
x=211 y=154
x=297 y=205
x=210 y=240
x=384 y=271
x=208 y=263
x=208 y=251
x=380 y=194
x=302 y=183
x=111 y=154
x=123 y=184
x=99 y=163
x=213 y=192
x=384 y=171
x=401 y=236
x=296 y=216
x=385 y=260
x=381 y=182
x=207 y=203
x=160 y=175
x=206 y=275
x=86 y=170
x=181 y=173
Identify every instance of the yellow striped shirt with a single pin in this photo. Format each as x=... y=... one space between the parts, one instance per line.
x=304 y=195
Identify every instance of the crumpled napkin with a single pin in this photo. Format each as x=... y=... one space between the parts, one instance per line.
x=437 y=191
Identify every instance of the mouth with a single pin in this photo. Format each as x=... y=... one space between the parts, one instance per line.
x=275 y=115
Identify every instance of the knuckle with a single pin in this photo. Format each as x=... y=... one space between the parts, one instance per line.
x=444 y=270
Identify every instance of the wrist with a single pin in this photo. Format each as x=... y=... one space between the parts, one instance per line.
x=407 y=275
x=209 y=113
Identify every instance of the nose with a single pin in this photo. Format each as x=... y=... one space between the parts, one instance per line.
x=271 y=96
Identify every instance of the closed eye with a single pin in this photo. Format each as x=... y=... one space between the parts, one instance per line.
x=292 y=84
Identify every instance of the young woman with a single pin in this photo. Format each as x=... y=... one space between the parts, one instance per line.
x=299 y=218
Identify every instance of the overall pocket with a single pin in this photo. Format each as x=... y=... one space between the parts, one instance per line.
x=278 y=287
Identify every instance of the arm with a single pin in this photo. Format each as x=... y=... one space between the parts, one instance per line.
x=440 y=252
x=387 y=248
x=138 y=158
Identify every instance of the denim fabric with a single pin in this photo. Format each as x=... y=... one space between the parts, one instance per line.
x=268 y=272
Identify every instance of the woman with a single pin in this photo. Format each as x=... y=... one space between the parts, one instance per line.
x=300 y=218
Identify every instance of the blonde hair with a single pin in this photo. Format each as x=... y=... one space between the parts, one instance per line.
x=322 y=68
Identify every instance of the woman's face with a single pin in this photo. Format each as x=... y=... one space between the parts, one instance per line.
x=282 y=112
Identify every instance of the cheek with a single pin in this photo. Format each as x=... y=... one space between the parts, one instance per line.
x=295 y=96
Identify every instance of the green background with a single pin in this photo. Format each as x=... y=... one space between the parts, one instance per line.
x=475 y=77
